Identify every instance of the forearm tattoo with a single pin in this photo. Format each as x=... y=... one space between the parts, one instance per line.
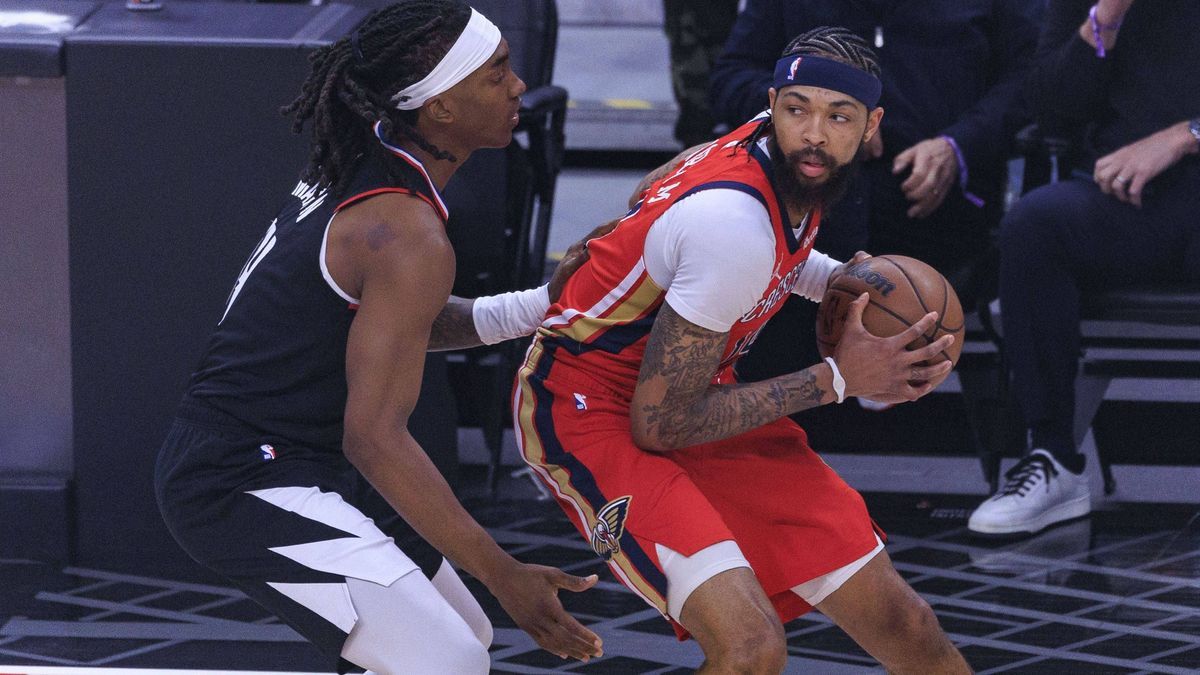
x=691 y=410
x=454 y=327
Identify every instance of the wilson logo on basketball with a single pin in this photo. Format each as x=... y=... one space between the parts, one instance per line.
x=871 y=278
x=610 y=525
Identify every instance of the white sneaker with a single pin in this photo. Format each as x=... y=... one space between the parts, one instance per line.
x=1040 y=492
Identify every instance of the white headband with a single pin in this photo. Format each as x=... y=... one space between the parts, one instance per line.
x=475 y=46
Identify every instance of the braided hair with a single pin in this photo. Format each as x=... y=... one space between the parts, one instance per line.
x=833 y=43
x=351 y=82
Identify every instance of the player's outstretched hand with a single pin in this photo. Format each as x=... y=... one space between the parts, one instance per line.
x=530 y=596
x=883 y=369
x=575 y=256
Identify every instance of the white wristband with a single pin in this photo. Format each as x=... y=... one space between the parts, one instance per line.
x=839 y=382
x=510 y=315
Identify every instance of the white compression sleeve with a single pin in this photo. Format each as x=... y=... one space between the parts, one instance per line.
x=814 y=278
x=510 y=315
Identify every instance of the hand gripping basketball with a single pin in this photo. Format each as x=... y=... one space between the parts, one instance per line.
x=886 y=369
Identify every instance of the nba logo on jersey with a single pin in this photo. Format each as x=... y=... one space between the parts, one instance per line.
x=267 y=452
x=795 y=65
x=580 y=401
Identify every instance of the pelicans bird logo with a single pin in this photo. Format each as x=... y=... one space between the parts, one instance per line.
x=610 y=525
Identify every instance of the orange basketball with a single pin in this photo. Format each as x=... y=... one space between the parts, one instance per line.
x=902 y=291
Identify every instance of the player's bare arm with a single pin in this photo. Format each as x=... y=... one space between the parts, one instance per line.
x=405 y=268
x=454 y=327
x=675 y=405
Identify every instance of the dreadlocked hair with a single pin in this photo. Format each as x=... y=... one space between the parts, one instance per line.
x=351 y=82
x=830 y=42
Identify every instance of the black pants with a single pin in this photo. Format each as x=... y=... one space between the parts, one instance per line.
x=1068 y=239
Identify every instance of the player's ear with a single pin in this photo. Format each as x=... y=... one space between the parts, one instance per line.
x=771 y=94
x=438 y=110
x=873 y=119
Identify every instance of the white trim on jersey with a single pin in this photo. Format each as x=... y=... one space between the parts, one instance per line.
x=325 y=267
x=419 y=166
x=605 y=303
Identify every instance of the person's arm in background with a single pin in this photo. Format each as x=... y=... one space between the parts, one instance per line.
x=980 y=137
x=1068 y=80
x=741 y=76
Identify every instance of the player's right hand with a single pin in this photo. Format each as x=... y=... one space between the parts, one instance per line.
x=530 y=596
x=573 y=259
x=883 y=369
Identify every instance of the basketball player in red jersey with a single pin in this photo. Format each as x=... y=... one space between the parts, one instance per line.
x=289 y=468
x=699 y=492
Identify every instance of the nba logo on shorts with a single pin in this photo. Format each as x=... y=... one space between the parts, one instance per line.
x=610 y=525
x=580 y=401
x=267 y=452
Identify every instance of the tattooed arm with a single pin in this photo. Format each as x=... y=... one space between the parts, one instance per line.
x=675 y=405
x=454 y=326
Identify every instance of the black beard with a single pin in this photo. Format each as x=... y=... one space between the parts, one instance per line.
x=802 y=193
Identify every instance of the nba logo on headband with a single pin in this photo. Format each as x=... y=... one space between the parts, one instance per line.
x=817 y=71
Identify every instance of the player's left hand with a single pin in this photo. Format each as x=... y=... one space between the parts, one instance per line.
x=530 y=596
x=934 y=171
x=858 y=257
x=1124 y=173
x=574 y=258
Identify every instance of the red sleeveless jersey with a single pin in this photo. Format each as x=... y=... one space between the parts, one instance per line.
x=604 y=315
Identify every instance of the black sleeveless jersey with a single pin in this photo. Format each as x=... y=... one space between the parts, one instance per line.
x=277 y=360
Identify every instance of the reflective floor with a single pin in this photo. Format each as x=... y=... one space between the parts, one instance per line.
x=1116 y=593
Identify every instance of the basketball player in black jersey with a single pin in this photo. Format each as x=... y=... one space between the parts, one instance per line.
x=289 y=463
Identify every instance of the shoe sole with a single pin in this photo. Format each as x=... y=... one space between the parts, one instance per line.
x=1076 y=508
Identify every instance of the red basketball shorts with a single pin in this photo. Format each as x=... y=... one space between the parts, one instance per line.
x=792 y=516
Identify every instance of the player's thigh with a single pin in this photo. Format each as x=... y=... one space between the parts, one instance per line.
x=1097 y=237
x=409 y=627
x=730 y=611
x=450 y=586
x=874 y=604
x=575 y=434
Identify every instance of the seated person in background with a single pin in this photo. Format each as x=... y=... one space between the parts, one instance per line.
x=952 y=77
x=696 y=32
x=699 y=492
x=1128 y=70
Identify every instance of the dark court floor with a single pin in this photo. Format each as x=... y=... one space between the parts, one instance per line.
x=1116 y=593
